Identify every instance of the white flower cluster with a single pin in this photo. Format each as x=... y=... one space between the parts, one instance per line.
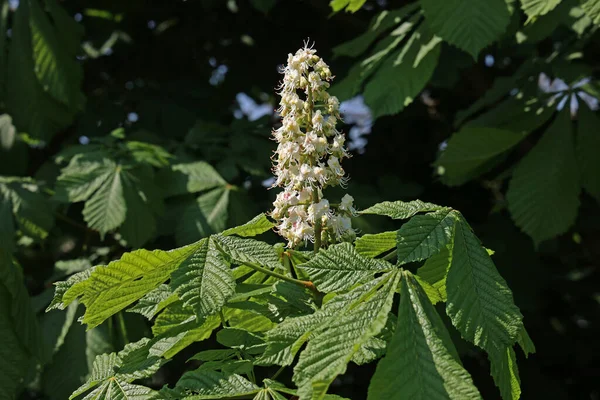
x=308 y=156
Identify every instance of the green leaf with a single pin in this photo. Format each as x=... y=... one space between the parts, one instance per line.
x=472 y=151
x=525 y=342
x=401 y=209
x=435 y=269
x=333 y=344
x=7 y=223
x=379 y=24
x=592 y=10
x=505 y=372
x=82 y=177
x=32 y=108
x=480 y=304
x=204 y=280
x=421 y=361
x=340 y=267
x=425 y=235
x=106 y=209
x=111 y=288
x=543 y=196
x=415 y=63
x=139 y=225
x=349 y=5
x=248 y=251
x=256 y=226
x=154 y=301
x=67 y=291
x=57 y=70
x=588 y=139
x=372 y=245
x=206 y=384
x=204 y=216
x=469 y=25
x=536 y=8
x=189 y=178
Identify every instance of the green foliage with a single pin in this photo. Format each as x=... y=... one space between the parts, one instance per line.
x=260 y=321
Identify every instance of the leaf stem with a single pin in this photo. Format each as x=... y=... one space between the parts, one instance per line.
x=391 y=255
x=122 y=327
x=306 y=284
x=279 y=371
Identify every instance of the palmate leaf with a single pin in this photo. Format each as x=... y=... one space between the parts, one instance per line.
x=425 y=235
x=421 y=361
x=401 y=209
x=111 y=288
x=333 y=344
x=538 y=189
x=480 y=304
x=469 y=25
x=472 y=151
x=204 y=280
x=340 y=267
x=588 y=140
x=415 y=62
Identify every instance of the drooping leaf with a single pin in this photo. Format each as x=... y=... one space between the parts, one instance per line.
x=472 y=151
x=421 y=361
x=204 y=216
x=415 y=62
x=333 y=345
x=189 y=178
x=469 y=25
x=525 y=342
x=401 y=209
x=505 y=372
x=340 y=267
x=539 y=189
x=372 y=245
x=480 y=304
x=204 y=280
x=425 y=235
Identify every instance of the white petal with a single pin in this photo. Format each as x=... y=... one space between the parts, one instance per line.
x=544 y=82
x=582 y=82
x=591 y=101
x=558 y=85
x=562 y=103
x=574 y=106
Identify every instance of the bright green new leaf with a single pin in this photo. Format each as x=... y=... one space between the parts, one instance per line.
x=469 y=25
x=256 y=226
x=421 y=361
x=536 y=8
x=332 y=345
x=480 y=304
x=472 y=151
x=348 y=5
x=372 y=245
x=435 y=269
x=401 y=209
x=592 y=10
x=204 y=280
x=543 y=196
x=425 y=235
x=248 y=251
x=340 y=267
x=111 y=288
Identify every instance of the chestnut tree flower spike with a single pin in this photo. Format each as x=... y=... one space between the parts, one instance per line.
x=308 y=156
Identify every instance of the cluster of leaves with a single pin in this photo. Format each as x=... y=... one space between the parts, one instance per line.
x=267 y=305
x=410 y=43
